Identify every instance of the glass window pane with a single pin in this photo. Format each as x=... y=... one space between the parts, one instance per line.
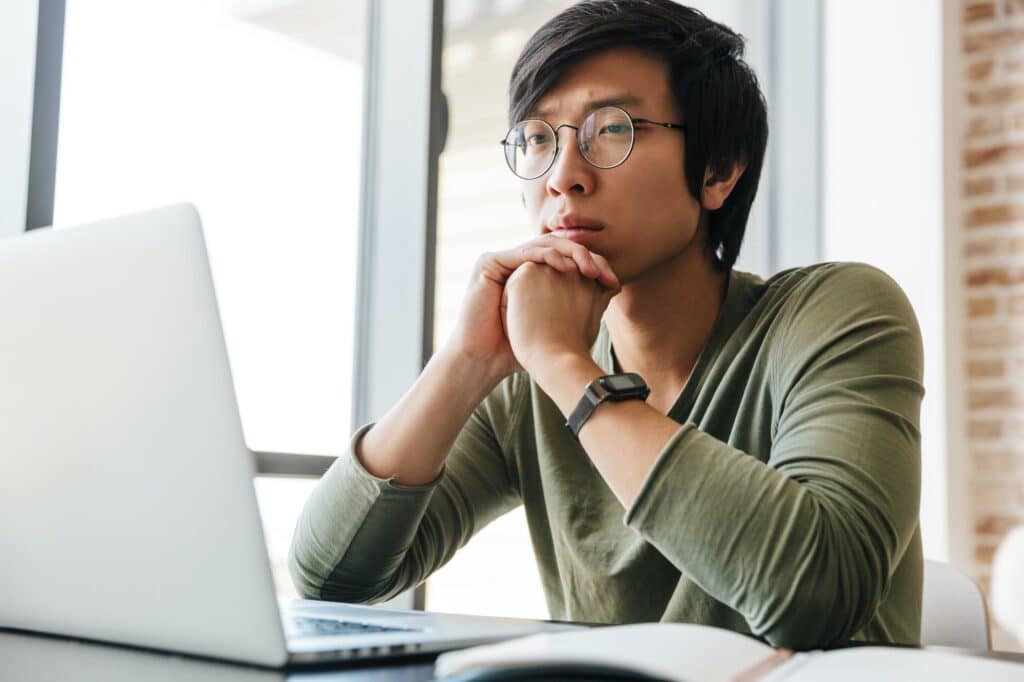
x=281 y=500
x=252 y=110
x=479 y=210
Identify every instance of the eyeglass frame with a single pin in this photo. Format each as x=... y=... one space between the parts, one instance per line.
x=555 y=130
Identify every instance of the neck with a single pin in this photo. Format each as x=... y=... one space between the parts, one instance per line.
x=660 y=322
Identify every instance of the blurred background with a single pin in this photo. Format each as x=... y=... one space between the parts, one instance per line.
x=300 y=127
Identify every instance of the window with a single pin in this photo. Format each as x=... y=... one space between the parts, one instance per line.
x=479 y=210
x=252 y=110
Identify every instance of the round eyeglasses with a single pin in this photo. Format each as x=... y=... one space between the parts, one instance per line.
x=605 y=139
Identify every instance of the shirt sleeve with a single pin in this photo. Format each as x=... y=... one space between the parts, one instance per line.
x=803 y=546
x=365 y=539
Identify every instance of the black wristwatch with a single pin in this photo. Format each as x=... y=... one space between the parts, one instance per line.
x=613 y=387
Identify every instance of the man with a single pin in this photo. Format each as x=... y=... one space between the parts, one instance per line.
x=768 y=483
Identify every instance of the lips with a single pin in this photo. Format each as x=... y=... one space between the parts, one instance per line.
x=580 y=233
x=570 y=222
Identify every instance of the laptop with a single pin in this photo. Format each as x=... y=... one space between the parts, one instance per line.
x=127 y=507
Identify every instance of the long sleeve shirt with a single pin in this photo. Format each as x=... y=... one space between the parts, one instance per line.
x=785 y=506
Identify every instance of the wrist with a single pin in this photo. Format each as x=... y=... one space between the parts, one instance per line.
x=474 y=377
x=564 y=377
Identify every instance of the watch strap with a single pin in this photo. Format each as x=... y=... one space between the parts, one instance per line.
x=598 y=391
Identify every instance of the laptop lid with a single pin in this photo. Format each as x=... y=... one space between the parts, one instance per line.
x=127 y=510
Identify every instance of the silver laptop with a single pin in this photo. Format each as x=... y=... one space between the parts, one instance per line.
x=127 y=507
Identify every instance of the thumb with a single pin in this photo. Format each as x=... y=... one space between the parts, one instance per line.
x=607 y=295
x=503 y=311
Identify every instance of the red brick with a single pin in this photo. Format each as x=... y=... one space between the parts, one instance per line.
x=978 y=399
x=1002 y=95
x=1001 y=276
x=1001 y=153
x=992 y=461
x=980 y=71
x=985 y=125
x=996 y=525
x=982 y=429
x=999 y=214
x=983 y=554
x=979 y=11
x=982 y=307
x=984 y=247
x=973 y=188
x=989 y=337
x=986 y=369
x=994 y=40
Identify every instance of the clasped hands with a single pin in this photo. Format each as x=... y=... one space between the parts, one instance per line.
x=529 y=307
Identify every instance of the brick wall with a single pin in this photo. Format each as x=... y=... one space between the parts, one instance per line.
x=991 y=226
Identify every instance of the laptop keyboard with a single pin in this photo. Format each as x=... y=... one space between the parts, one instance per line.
x=327 y=627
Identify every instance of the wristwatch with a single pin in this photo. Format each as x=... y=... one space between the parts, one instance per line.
x=614 y=387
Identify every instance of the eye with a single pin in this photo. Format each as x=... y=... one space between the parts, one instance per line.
x=537 y=140
x=614 y=129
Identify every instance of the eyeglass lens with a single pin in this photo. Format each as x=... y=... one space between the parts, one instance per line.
x=605 y=138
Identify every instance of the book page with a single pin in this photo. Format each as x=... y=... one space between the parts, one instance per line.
x=676 y=651
x=882 y=663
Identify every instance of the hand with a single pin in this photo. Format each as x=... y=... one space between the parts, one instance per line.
x=479 y=334
x=551 y=313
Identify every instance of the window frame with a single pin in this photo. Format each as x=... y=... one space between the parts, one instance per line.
x=394 y=320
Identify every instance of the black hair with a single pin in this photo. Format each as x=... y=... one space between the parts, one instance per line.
x=716 y=91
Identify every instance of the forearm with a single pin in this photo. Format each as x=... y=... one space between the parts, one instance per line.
x=702 y=504
x=623 y=439
x=363 y=537
x=353 y=532
x=411 y=441
x=803 y=557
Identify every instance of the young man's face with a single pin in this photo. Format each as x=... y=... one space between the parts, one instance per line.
x=646 y=212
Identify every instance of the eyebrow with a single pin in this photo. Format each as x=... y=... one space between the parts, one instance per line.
x=617 y=101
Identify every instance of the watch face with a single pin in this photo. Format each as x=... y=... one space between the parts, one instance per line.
x=623 y=382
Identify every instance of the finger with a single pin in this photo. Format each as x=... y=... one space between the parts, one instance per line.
x=607 y=295
x=498 y=266
x=608 y=278
x=559 y=262
x=590 y=264
x=585 y=262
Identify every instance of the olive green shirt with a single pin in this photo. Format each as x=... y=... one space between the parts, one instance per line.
x=785 y=506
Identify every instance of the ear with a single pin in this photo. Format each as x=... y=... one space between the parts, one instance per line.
x=718 y=188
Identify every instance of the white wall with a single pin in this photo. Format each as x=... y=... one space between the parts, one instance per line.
x=883 y=186
x=17 y=83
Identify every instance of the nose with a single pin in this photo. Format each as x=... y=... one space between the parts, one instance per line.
x=571 y=173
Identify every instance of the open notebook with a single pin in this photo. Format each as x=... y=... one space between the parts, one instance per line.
x=699 y=653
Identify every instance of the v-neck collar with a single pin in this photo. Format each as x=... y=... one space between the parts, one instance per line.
x=734 y=308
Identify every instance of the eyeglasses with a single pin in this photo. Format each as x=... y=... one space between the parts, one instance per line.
x=605 y=139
